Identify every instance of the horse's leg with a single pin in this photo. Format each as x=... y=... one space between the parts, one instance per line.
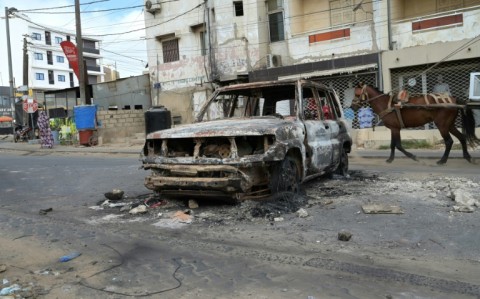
x=463 y=142
x=392 y=148
x=448 y=146
x=398 y=144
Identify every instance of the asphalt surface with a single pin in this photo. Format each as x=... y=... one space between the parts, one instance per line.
x=8 y=144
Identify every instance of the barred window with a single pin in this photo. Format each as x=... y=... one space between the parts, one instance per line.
x=170 y=50
x=275 y=20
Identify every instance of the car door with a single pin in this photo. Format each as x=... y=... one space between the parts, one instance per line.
x=332 y=119
x=319 y=147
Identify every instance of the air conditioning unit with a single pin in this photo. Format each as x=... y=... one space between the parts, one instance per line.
x=273 y=61
x=153 y=6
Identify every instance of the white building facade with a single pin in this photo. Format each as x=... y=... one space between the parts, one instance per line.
x=48 y=68
x=391 y=44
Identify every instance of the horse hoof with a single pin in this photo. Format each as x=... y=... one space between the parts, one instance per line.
x=389 y=161
x=441 y=162
x=414 y=158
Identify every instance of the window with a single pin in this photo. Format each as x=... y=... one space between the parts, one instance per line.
x=170 y=51
x=58 y=40
x=238 y=5
x=70 y=76
x=36 y=36
x=68 y=37
x=39 y=76
x=49 y=57
x=341 y=12
x=275 y=20
x=203 y=43
x=60 y=59
x=48 y=39
x=61 y=78
x=38 y=56
x=51 y=79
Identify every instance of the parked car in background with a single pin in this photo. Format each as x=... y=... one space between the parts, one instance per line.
x=250 y=141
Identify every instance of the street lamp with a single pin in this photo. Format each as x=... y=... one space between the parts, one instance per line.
x=8 y=12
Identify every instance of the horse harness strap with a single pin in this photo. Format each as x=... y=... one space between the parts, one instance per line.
x=393 y=107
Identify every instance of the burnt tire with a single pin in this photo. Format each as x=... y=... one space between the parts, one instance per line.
x=342 y=168
x=285 y=176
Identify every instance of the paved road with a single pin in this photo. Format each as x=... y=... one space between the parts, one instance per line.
x=297 y=258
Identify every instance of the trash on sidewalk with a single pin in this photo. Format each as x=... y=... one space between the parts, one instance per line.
x=115 y=194
x=381 y=209
x=192 y=204
x=45 y=211
x=69 y=257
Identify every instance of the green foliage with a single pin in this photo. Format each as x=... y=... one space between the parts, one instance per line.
x=411 y=144
x=55 y=124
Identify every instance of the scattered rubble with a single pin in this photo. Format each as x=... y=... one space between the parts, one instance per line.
x=193 y=204
x=3 y=268
x=302 y=213
x=344 y=236
x=45 y=211
x=115 y=194
x=138 y=210
x=381 y=209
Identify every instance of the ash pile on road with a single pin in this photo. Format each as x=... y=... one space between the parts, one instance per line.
x=278 y=204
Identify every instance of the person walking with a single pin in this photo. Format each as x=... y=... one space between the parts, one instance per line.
x=46 y=138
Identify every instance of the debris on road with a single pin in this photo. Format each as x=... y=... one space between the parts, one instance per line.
x=69 y=257
x=115 y=194
x=344 y=236
x=45 y=211
x=192 y=204
x=138 y=210
x=302 y=213
x=465 y=201
x=278 y=219
x=10 y=290
x=381 y=209
x=3 y=268
x=182 y=217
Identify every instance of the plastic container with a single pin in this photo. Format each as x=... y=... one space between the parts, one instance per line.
x=157 y=118
x=85 y=116
x=84 y=136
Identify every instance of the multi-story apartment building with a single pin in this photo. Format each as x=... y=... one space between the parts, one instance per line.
x=393 y=44
x=47 y=68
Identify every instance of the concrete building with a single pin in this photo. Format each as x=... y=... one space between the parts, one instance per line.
x=48 y=68
x=393 y=44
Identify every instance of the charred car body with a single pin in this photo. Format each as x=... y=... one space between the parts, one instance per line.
x=251 y=140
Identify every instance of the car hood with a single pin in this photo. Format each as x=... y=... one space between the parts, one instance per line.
x=226 y=127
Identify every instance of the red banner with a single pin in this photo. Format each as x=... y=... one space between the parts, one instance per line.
x=70 y=51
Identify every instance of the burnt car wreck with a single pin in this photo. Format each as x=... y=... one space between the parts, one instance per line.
x=251 y=140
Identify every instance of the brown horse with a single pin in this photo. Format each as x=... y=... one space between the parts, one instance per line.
x=419 y=110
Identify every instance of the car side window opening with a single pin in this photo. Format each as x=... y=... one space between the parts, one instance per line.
x=310 y=105
x=333 y=105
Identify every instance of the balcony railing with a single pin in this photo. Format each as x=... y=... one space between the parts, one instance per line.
x=93 y=68
x=91 y=50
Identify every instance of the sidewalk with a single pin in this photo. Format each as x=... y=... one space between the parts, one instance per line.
x=8 y=144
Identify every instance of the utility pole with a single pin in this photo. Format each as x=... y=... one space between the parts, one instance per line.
x=82 y=81
x=9 y=11
x=25 y=62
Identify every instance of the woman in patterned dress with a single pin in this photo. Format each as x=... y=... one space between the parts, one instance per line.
x=46 y=138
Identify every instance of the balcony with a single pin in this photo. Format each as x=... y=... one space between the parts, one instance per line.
x=93 y=68
x=91 y=50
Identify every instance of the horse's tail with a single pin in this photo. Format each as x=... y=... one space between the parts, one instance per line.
x=469 y=126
